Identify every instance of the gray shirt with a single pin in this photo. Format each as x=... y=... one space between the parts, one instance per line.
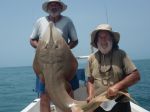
x=64 y=25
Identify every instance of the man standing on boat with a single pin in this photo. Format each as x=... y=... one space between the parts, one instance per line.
x=110 y=69
x=66 y=27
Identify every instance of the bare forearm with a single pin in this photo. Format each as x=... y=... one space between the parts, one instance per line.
x=128 y=81
x=90 y=86
x=72 y=44
x=33 y=43
x=90 y=89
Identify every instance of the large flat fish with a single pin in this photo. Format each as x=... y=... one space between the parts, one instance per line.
x=56 y=66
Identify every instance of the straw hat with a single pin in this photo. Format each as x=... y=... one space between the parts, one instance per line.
x=106 y=27
x=44 y=6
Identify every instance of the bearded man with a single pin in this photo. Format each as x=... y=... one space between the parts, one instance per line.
x=110 y=69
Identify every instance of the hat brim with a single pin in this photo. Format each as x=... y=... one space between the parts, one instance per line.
x=93 y=36
x=44 y=6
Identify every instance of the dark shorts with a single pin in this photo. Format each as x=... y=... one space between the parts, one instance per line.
x=40 y=87
x=79 y=79
x=119 y=107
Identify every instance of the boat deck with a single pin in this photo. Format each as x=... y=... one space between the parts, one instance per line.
x=35 y=105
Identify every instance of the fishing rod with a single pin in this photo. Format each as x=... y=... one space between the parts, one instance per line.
x=106 y=15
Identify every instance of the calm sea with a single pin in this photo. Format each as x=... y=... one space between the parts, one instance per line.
x=17 y=85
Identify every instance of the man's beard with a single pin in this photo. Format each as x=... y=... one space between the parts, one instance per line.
x=105 y=50
x=54 y=13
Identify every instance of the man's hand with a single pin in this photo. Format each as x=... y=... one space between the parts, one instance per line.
x=112 y=91
x=34 y=43
x=89 y=98
x=73 y=44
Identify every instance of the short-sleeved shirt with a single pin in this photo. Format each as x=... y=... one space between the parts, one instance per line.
x=64 y=25
x=108 y=69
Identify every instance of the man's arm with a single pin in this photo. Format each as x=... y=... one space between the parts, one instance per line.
x=34 y=43
x=90 y=89
x=128 y=81
x=72 y=44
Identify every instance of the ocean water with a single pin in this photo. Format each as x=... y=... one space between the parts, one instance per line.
x=17 y=87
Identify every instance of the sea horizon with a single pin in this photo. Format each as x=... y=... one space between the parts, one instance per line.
x=83 y=61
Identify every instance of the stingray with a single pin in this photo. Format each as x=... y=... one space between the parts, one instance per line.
x=56 y=66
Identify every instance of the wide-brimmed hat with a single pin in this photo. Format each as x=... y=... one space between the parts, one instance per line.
x=44 y=6
x=105 y=27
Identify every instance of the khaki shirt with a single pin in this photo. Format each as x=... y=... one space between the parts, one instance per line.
x=108 y=69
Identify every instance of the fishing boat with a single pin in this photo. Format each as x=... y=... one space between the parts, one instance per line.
x=79 y=87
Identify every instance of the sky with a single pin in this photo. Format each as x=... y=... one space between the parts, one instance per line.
x=128 y=17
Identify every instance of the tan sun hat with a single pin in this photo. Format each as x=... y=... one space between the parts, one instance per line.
x=44 y=6
x=106 y=27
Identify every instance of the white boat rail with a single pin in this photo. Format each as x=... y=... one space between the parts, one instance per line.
x=82 y=57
